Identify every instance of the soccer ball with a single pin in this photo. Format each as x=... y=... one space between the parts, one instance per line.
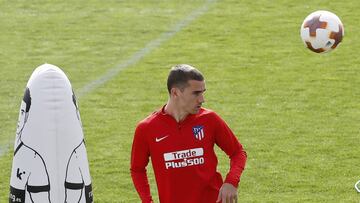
x=322 y=31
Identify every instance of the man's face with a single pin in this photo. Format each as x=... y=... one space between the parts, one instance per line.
x=191 y=97
x=22 y=118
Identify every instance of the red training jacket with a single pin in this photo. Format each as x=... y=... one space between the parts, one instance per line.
x=183 y=157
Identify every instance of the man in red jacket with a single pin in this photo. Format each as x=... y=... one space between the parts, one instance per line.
x=180 y=140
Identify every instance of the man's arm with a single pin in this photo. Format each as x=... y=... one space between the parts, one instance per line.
x=237 y=165
x=141 y=184
x=228 y=142
x=228 y=191
x=139 y=160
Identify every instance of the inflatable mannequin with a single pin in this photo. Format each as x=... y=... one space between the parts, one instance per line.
x=50 y=162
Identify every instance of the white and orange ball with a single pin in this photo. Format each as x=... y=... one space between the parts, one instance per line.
x=322 y=31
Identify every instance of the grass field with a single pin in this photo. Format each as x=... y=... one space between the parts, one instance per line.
x=296 y=113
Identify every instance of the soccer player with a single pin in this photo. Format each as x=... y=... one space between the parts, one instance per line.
x=29 y=172
x=180 y=139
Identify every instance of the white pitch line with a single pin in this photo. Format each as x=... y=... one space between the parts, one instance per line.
x=111 y=73
x=144 y=51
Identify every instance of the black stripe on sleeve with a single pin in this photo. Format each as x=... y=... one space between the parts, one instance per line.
x=36 y=189
x=74 y=186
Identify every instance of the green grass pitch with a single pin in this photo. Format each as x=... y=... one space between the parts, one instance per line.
x=296 y=113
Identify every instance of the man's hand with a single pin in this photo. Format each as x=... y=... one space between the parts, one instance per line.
x=227 y=194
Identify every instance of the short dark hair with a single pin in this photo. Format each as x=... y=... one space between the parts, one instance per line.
x=27 y=99
x=180 y=75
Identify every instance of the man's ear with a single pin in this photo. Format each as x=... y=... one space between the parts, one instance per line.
x=174 y=92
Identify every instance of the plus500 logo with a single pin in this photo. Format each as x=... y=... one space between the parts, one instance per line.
x=184 y=158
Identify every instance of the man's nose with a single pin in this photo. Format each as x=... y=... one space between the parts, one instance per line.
x=201 y=99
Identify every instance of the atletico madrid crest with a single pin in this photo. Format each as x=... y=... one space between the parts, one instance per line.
x=199 y=132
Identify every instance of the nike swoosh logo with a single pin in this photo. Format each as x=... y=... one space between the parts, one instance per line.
x=161 y=138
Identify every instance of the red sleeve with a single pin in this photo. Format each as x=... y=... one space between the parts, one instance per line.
x=139 y=160
x=228 y=142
